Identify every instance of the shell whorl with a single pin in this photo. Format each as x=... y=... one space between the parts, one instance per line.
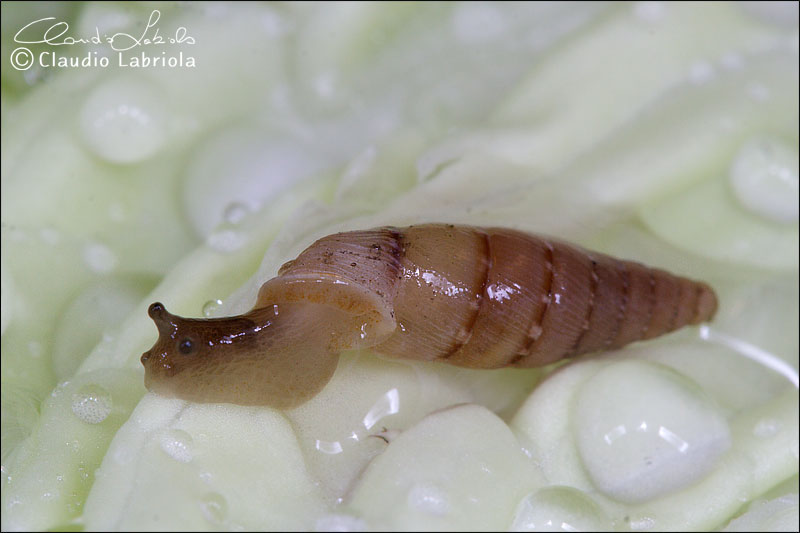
x=486 y=297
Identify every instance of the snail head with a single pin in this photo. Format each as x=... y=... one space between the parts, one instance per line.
x=189 y=350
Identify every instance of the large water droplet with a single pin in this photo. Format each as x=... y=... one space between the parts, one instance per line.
x=214 y=507
x=643 y=430
x=92 y=403
x=764 y=178
x=177 y=444
x=560 y=509
x=122 y=120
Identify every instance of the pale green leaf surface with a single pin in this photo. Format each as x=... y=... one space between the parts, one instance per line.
x=664 y=133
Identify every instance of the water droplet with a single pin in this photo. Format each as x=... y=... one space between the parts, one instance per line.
x=226 y=240
x=429 y=499
x=767 y=427
x=214 y=508
x=99 y=258
x=122 y=120
x=339 y=522
x=643 y=430
x=235 y=212
x=210 y=307
x=387 y=404
x=764 y=178
x=50 y=495
x=177 y=444
x=558 y=508
x=92 y=403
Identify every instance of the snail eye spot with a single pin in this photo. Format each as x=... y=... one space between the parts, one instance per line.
x=186 y=346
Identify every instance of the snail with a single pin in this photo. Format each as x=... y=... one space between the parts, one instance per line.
x=469 y=296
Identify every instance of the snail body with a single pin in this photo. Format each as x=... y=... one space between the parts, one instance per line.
x=473 y=297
